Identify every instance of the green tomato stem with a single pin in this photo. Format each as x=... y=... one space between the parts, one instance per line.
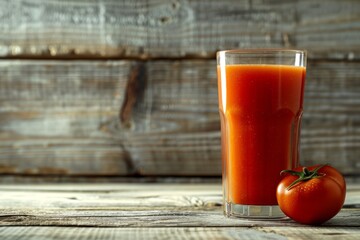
x=303 y=175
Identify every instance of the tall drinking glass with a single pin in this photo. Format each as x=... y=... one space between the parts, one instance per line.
x=261 y=95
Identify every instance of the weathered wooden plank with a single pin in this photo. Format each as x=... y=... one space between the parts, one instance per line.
x=158 y=28
x=207 y=233
x=126 y=195
x=65 y=233
x=314 y=233
x=176 y=121
x=63 y=118
x=54 y=117
x=136 y=205
x=331 y=121
x=120 y=196
x=146 y=215
x=129 y=205
x=151 y=118
x=176 y=127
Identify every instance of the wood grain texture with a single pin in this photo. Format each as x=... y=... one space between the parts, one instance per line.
x=176 y=124
x=60 y=117
x=148 y=211
x=206 y=233
x=159 y=28
x=66 y=233
x=138 y=205
x=53 y=117
x=331 y=121
x=84 y=117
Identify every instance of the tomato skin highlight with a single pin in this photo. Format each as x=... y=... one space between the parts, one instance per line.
x=313 y=201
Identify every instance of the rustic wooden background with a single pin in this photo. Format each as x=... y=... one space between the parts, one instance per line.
x=115 y=89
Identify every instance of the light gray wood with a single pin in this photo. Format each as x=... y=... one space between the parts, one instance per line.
x=65 y=117
x=160 y=28
x=137 y=205
x=174 y=127
x=148 y=211
x=331 y=120
x=157 y=118
x=187 y=104
x=54 y=117
x=207 y=233
x=315 y=232
x=145 y=217
x=172 y=111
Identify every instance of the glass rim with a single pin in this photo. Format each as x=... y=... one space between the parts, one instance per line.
x=261 y=51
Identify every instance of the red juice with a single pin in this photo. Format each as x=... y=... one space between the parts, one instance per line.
x=260 y=111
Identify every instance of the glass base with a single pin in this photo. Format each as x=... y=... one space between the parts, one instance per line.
x=253 y=211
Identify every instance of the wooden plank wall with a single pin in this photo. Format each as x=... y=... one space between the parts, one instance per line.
x=128 y=88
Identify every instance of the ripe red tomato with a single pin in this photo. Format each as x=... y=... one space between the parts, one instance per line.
x=311 y=195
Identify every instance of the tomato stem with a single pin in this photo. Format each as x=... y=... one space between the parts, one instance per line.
x=303 y=175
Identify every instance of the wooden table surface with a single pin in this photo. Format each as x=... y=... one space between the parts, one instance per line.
x=149 y=211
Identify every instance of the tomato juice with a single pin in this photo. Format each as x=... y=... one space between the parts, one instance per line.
x=260 y=110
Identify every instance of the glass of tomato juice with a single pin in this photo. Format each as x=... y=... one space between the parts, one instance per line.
x=261 y=94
